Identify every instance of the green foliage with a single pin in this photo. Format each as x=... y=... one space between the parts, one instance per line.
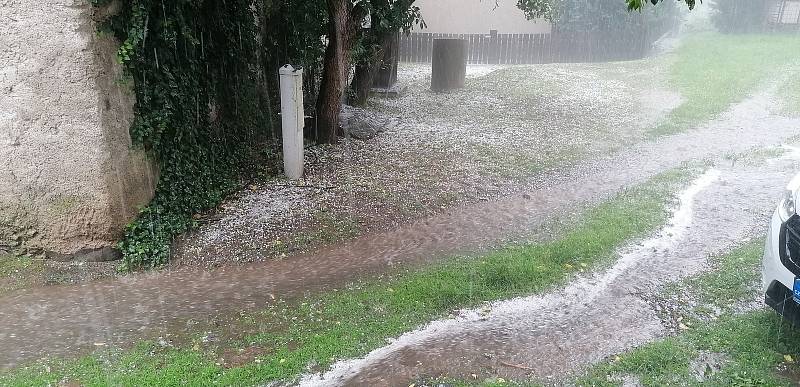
x=292 y=32
x=637 y=5
x=613 y=32
x=739 y=16
x=390 y=16
x=548 y=9
x=607 y=17
x=536 y=9
x=196 y=74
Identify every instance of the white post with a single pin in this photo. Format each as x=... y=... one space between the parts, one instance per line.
x=293 y=120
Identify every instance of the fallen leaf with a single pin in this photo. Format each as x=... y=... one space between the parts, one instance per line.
x=788 y=358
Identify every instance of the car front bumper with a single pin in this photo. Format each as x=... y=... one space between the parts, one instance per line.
x=777 y=279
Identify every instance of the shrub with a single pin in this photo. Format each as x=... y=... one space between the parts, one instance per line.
x=739 y=16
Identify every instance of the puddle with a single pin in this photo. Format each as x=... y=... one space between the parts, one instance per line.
x=548 y=337
x=69 y=320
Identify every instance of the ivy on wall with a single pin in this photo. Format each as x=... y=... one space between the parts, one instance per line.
x=201 y=104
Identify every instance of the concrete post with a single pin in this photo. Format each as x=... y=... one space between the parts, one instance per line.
x=293 y=119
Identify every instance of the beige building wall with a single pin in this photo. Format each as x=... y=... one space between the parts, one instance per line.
x=477 y=17
x=69 y=180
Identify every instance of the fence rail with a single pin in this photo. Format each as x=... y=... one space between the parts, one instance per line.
x=527 y=48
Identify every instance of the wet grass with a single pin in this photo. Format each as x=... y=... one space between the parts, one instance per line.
x=790 y=92
x=714 y=71
x=18 y=271
x=328 y=228
x=756 y=156
x=311 y=335
x=754 y=348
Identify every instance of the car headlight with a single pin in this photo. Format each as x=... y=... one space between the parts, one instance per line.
x=787 y=208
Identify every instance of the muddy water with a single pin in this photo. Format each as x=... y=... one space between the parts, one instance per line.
x=547 y=337
x=69 y=320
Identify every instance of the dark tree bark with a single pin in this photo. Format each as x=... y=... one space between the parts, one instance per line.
x=366 y=72
x=344 y=22
x=449 y=66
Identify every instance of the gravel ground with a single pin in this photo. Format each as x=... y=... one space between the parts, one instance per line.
x=435 y=151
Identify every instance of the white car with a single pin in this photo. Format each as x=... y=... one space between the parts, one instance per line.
x=781 y=263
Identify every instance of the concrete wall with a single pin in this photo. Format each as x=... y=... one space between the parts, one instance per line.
x=68 y=178
x=477 y=17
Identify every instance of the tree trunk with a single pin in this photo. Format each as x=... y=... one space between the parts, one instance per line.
x=342 y=26
x=449 y=66
x=365 y=74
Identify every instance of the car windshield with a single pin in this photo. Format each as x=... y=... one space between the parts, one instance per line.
x=399 y=192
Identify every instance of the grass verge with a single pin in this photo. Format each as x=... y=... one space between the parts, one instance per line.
x=714 y=71
x=311 y=335
x=17 y=272
x=790 y=92
x=755 y=348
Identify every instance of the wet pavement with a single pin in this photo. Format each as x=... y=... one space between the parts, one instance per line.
x=70 y=320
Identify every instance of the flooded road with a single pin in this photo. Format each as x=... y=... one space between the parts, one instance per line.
x=70 y=320
x=550 y=336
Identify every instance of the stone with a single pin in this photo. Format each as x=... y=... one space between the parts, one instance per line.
x=71 y=179
x=103 y=254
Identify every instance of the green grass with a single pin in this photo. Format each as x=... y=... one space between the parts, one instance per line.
x=756 y=156
x=713 y=71
x=790 y=92
x=753 y=344
x=13 y=264
x=351 y=322
x=18 y=271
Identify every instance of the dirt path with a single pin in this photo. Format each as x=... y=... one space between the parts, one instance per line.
x=548 y=337
x=69 y=320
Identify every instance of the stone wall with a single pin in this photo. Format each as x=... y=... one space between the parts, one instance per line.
x=69 y=180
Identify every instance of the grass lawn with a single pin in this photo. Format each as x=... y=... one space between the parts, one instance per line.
x=752 y=346
x=17 y=272
x=755 y=348
x=714 y=71
x=311 y=335
x=790 y=92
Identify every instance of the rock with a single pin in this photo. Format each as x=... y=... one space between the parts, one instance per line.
x=707 y=364
x=359 y=128
x=103 y=254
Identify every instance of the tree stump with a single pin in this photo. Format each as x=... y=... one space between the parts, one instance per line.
x=449 y=64
x=387 y=75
